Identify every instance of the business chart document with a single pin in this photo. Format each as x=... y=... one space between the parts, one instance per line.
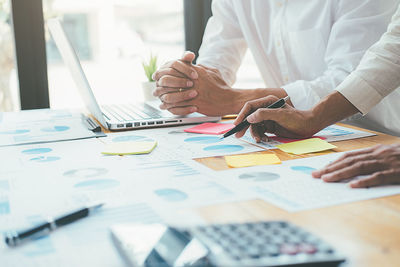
x=331 y=133
x=175 y=143
x=51 y=178
x=44 y=155
x=42 y=125
x=290 y=185
x=67 y=175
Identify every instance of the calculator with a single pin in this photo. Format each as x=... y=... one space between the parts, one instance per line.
x=268 y=243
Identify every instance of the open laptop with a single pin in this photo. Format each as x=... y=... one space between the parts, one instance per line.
x=118 y=116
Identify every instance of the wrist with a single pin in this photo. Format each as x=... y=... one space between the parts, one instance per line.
x=331 y=109
x=241 y=96
x=237 y=99
x=315 y=120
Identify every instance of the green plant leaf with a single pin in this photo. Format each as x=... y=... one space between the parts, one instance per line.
x=150 y=67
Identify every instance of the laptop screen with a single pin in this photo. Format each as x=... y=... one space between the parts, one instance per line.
x=71 y=60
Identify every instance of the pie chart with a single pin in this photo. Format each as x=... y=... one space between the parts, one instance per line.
x=98 y=184
x=260 y=176
x=21 y=131
x=39 y=150
x=85 y=172
x=55 y=129
x=45 y=159
x=224 y=148
x=304 y=169
x=171 y=195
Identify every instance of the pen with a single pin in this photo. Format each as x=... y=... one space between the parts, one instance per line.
x=15 y=238
x=278 y=104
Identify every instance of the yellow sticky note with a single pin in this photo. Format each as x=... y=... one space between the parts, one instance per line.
x=240 y=161
x=129 y=148
x=306 y=146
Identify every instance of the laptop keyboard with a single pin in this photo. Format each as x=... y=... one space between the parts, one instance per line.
x=130 y=112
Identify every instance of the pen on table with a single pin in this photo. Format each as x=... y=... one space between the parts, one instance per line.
x=278 y=104
x=14 y=238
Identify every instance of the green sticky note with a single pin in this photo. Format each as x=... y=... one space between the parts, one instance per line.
x=129 y=148
x=306 y=146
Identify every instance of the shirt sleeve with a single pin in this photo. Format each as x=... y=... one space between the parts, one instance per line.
x=223 y=45
x=357 y=25
x=378 y=73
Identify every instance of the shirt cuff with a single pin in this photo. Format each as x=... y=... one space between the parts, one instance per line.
x=300 y=95
x=363 y=96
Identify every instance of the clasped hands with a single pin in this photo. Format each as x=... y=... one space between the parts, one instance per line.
x=185 y=88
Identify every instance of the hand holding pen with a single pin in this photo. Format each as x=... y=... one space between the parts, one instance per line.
x=251 y=115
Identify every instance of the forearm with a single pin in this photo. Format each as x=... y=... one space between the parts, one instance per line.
x=333 y=108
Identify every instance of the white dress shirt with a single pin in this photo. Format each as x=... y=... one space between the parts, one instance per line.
x=373 y=88
x=306 y=47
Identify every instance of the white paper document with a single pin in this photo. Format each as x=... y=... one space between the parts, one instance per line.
x=134 y=189
x=175 y=143
x=41 y=126
x=331 y=133
x=45 y=155
x=85 y=242
x=290 y=185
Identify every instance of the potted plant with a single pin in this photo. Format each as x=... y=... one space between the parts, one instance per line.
x=150 y=85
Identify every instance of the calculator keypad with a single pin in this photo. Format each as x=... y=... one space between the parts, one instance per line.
x=273 y=240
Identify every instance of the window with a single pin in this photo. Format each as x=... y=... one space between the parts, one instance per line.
x=112 y=38
x=9 y=99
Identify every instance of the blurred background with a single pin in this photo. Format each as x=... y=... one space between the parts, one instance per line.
x=112 y=39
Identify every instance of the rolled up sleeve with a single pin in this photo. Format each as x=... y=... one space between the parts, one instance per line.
x=378 y=73
x=357 y=26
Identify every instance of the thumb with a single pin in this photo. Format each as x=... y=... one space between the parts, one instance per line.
x=188 y=56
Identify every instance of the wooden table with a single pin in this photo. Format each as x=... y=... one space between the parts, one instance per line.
x=367 y=232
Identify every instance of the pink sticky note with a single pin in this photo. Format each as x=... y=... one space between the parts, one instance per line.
x=210 y=128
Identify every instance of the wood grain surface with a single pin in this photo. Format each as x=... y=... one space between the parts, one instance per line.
x=366 y=232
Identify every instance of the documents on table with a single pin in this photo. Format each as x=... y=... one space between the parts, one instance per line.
x=290 y=185
x=240 y=161
x=331 y=133
x=43 y=125
x=133 y=188
x=147 y=188
x=311 y=145
x=40 y=156
x=83 y=243
x=175 y=143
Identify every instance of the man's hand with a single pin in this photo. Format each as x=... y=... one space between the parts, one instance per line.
x=214 y=97
x=285 y=121
x=381 y=164
x=174 y=79
x=185 y=88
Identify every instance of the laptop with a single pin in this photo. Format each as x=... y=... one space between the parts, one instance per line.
x=117 y=116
